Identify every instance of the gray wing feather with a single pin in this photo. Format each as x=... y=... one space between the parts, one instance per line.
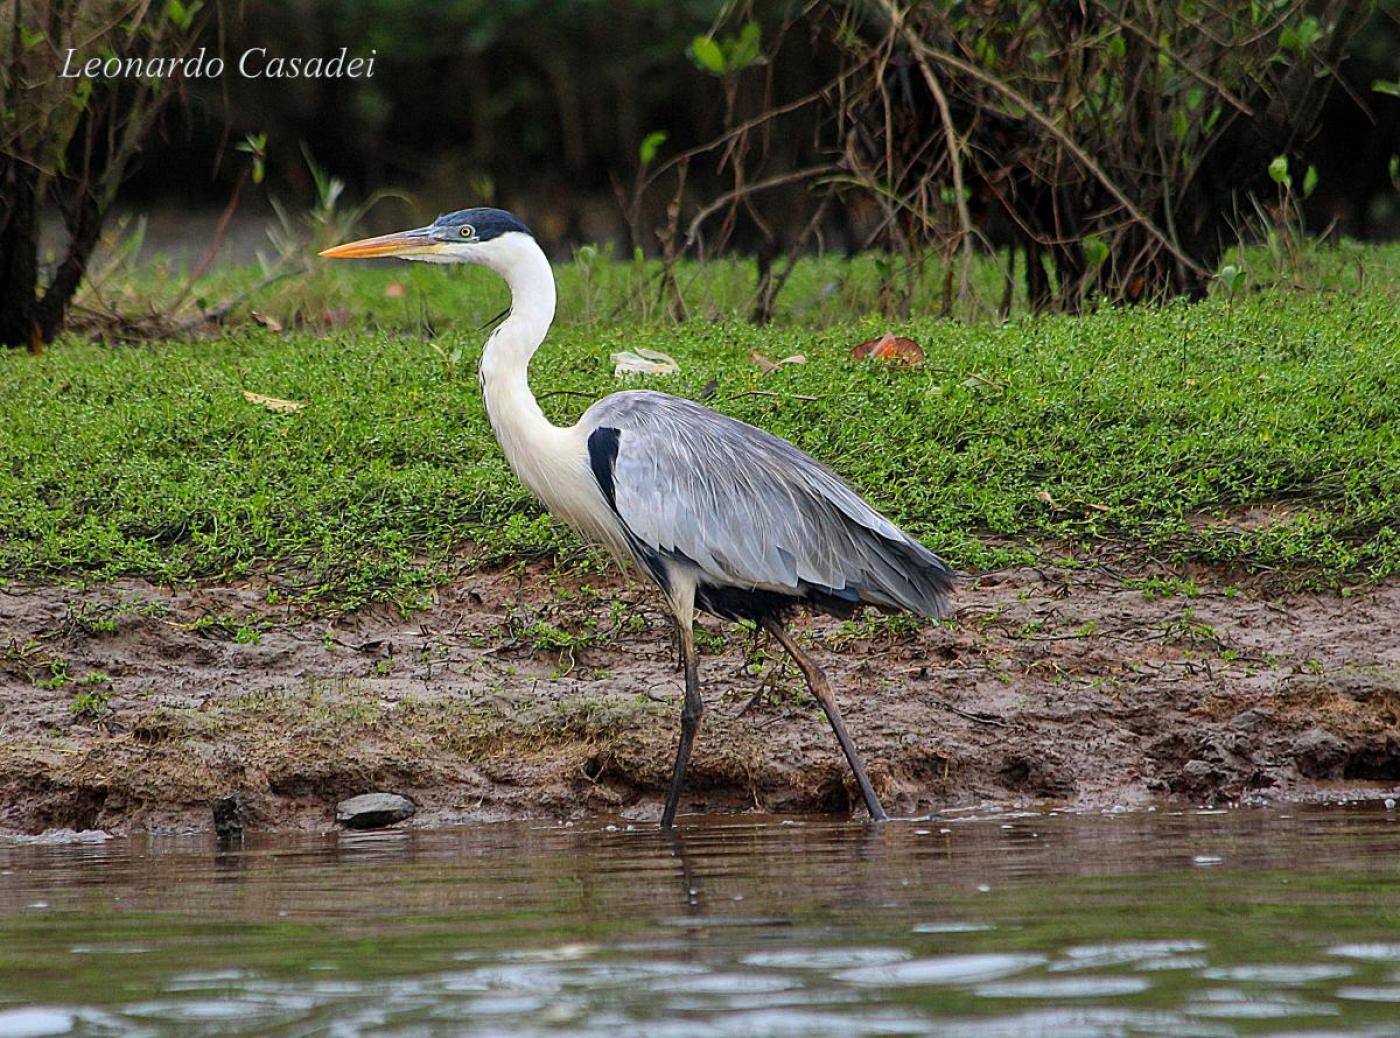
x=751 y=510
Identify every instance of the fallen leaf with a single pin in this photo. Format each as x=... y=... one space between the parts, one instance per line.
x=273 y=404
x=766 y=365
x=643 y=362
x=395 y=290
x=270 y=323
x=890 y=347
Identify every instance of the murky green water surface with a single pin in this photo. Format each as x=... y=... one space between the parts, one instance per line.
x=1210 y=924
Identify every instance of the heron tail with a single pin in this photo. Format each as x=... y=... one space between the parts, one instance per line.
x=910 y=577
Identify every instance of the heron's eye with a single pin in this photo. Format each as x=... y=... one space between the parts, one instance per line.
x=467 y=231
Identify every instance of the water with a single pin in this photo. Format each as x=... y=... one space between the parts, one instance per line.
x=1194 y=923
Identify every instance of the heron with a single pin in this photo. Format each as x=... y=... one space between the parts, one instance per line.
x=723 y=517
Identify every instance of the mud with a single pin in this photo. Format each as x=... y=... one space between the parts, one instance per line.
x=530 y=693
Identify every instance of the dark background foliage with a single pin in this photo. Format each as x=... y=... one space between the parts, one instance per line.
x=541 y=105
x=1107 y=149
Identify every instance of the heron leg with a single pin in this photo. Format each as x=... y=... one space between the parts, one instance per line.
x=691 y=713
x=821 y=691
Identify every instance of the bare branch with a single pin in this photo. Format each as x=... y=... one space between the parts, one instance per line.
x=951 y=61
x=954 y=147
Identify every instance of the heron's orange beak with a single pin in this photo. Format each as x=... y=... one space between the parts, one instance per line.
x=400 y=243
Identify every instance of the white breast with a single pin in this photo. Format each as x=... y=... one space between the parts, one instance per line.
x=554 y=466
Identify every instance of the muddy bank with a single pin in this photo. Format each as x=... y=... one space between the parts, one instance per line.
x=530 y=693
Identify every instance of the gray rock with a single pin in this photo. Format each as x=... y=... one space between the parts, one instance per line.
x=1320 y=754
x=1199 y=770
x=374 y=810
x=1252 y=720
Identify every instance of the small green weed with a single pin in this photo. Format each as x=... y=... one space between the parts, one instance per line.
x=1162 y=587
x=58 y=675
x=91 y=702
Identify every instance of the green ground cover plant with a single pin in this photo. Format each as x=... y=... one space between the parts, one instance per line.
x=1259 y=429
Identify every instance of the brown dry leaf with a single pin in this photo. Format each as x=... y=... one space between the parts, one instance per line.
x=766 y=365
x=273 y=404
x=890 y=347
x=395 y=290
x=270 y=323
x=1044 y=495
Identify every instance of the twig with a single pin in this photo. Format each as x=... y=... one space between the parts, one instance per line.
x=771 y=286
x=971 y=715
x=215 y=244
x=781 y=396
x=954 y=149
x=563 y=392
x=761 y=185
x=216 y=314
x=1070 y=144
x=1161 y=46
x=667 y=236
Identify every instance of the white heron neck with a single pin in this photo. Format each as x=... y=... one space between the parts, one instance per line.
x=533 y=445
x=515 y=415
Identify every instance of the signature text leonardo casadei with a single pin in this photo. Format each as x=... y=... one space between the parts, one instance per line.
x=253 y=63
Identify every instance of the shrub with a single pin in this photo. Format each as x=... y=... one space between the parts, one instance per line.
x=67 y=138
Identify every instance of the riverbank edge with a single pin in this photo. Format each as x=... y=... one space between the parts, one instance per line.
x=533 y=692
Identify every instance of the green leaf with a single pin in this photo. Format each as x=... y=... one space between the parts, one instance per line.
x=1211 y=120
x=1278 y=171
x=1300 y=38
x=651 y=143
x=1179 y=124
x=1386 y=86
x=1309 y=181
x=743 y=51
x=706 y=53
x=30 y=39
x=181 y=14
x=1230 y=276
x=81 y=94
x=1095 y=250
x=1309 y=32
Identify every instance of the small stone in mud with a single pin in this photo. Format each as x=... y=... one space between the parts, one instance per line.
x=373 y=810
x=1319 y=754
x=1198 y=778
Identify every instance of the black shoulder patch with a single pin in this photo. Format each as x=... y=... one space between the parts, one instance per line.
x=602 y=456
